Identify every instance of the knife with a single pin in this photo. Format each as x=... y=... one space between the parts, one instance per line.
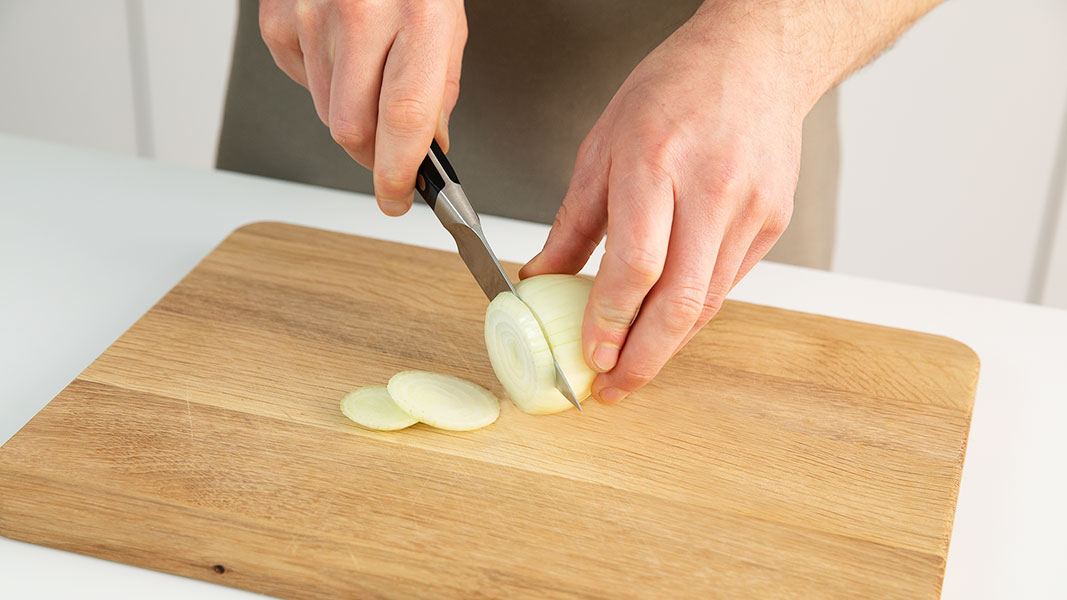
x=439 y=186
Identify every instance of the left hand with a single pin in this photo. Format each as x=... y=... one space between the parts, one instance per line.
x=690 y=171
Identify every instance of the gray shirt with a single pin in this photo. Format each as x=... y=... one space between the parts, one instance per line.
x=536 y=76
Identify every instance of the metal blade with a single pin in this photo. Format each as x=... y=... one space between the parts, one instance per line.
x=562 y=384
x=480 y=260
x=482 y=263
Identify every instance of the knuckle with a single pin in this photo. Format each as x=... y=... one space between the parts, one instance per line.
x=569 y=223
x=562 y=220
x=650 y=124
x=586 y=151
x=354 y=10
x=611 y=317
x=305 y=11
x=712 y=303
x=659 y=159
x=766 y=211
x=422 y=12
x=273 y=28
x=780 y=218
x=758 y=209
x=775 y=227
x=726 y=176
x=587 y=164
x=643 y=266
x=395 y=181
x=350 y=135
x=684 y=307
x=651 y=173
x=637 y=376
x=391 y=182
x=406 y=115
x=452 y=88
x=761 y=200
x=660 y=144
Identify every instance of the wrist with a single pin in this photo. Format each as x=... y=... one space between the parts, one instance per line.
x=792 y=49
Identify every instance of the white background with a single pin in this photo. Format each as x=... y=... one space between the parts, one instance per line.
x=955 y=141
x=954 y=155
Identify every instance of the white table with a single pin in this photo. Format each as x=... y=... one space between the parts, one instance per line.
x=89 y=241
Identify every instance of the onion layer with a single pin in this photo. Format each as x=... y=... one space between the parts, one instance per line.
x=521 y=351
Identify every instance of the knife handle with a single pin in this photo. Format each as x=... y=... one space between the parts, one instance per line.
x=431 y=180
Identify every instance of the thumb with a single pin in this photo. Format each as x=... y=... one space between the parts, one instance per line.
x=580 y=223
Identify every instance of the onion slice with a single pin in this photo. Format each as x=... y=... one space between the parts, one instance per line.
x=443 y=401
x=373 y=408
x=521 y=351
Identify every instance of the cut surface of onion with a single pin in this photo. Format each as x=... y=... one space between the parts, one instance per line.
x=521 y=351
x=373 y=408
x=443 y=401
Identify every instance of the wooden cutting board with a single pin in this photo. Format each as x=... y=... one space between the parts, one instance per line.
x=780 y=454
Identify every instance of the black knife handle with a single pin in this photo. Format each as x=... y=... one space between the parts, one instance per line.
x=431 y=180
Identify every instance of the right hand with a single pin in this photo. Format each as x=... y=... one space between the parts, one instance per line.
x=384 y=75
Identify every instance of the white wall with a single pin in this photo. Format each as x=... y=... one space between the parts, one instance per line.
x=188 y=46
x=65 y=73
x=949 y=139
x=949 y=145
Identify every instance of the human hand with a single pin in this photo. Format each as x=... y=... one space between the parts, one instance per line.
x=384 y=77
x=691 y=172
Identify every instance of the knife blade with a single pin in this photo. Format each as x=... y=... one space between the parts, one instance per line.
x=439 y=186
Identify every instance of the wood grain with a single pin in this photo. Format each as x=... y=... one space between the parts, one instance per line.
x=779 y=455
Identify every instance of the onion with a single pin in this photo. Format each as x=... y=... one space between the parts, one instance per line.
x=521 y=351
x=522 y=336
x=443 y=401
x=373 y=408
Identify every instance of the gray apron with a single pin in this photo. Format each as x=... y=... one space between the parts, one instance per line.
x=536 y=76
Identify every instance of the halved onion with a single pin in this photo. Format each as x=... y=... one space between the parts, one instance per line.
x=521 y=352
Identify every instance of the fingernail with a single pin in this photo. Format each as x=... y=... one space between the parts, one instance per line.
x=605 y=356
x=393 y=208
x=610 y=395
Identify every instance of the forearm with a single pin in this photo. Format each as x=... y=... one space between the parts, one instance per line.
x=816 y=42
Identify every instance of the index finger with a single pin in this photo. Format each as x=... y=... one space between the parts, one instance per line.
x=640 y=212
x=413 y=85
